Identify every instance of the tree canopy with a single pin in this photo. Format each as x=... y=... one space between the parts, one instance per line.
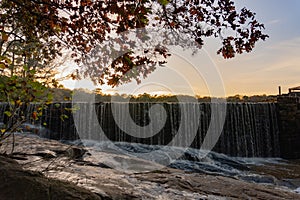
x=36 y=33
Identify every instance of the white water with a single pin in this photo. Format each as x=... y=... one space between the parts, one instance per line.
x=191 y=160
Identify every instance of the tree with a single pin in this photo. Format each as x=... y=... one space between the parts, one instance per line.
x=26 y=66
x=35 y=34
x=81 y=25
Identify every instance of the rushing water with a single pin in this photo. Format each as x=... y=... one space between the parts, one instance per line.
x=273 y=171
x=250 y=129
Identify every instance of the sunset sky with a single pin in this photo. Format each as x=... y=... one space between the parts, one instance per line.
x=273 y=63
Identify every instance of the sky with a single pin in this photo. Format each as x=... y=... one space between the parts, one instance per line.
x=273 y=63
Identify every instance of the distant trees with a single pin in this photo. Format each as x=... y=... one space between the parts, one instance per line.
x=254 y=98
x=60 y=94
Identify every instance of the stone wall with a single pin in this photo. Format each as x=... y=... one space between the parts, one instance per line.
x=289 y=126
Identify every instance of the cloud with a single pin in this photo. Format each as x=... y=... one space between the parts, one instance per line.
x=274 y=21
x=288 y=44
x=286 y=55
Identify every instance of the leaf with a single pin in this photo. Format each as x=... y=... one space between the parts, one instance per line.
x=8 y=113
x=2 y=66
x=67 y=98
x=49 y=96
x=172 y=24
x=4 y=37
x=32 y=72
x=163 y=2
x=35 y=115
x=57 y=105
x=63 y=117
x=40 y=113
x=19 y=102
x=25 y=67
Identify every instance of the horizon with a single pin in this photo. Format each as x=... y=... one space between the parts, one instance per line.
x=156 y=95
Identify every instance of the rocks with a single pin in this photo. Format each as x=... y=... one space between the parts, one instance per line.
x=93 y=174
x=75 y=152
x=19 y=184
x=216 y=185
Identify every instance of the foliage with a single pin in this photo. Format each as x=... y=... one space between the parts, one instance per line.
x=27 y=67
x=18 y=92
x=45 y=27
x=23 y=50
x=26 y=74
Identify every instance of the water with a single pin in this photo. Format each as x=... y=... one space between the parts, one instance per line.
x=250 y=129
x=273 y=171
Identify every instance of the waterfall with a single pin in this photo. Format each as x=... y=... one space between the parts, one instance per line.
x=250 y=129
x=3 y=107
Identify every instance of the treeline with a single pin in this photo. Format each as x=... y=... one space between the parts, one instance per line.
x=254 y=98
x=61 y=95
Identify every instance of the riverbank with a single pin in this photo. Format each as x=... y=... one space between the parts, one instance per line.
x=55 y=160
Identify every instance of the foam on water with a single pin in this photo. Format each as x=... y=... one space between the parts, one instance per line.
x=297 y=190
x=191 y=160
